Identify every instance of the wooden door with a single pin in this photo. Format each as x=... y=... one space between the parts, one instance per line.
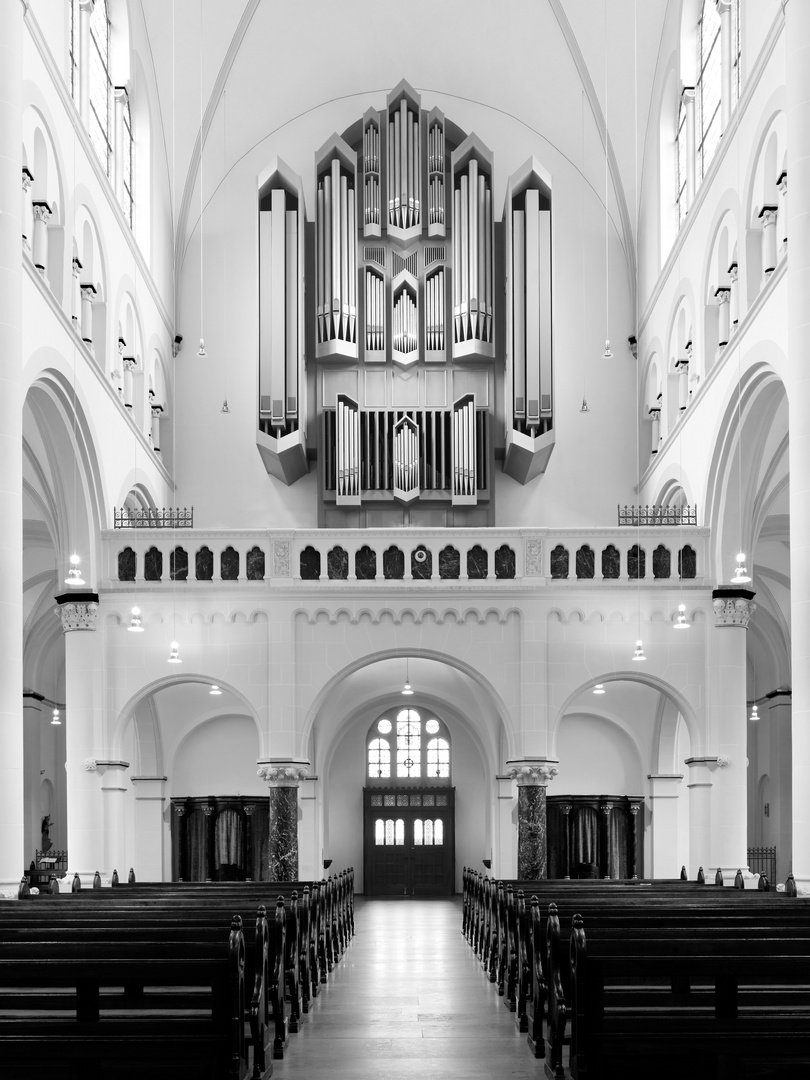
x=409 y=842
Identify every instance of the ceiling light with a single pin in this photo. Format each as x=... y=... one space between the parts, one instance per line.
x=56 y=721
x=681 y=623
x=599 y=688
x=584 y=406
x=741 y=575
x=135 y=622
x=608 y=353
x=174 y=658
x=639 y=653
x=406 y=689
x=215 y=690
x=74 y=577
x=201 y=351
x=225 y=406
x=754 y=713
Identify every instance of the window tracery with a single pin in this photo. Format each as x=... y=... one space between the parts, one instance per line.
x=422 y=748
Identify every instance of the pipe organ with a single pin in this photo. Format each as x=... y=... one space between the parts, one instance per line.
x=427 y=320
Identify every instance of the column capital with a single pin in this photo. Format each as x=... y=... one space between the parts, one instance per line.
x=130 y=363
x=87 y=6
x=27 y=178
x=781 y=182
x=77 y=267
x=42 y=209
x=723 y=7
x=286 y=773
x=532 y=772
x=767 y=215
x=688 y=95
x=89 y=290
x=734 y=271
x=121 y=94
x=77 y=611
x=733 y=606
x=156 y=409
x=722 y=294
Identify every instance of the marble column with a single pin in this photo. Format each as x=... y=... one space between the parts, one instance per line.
x=42 y=212
x=700 y=813
x=12 y=847
x=532 y=850
x=77 y=612
x=27 y=181
x=781 y=760
x=733 y=607
x=691 y=152
x=283 y=778
x=664 y=794
x=724 y=11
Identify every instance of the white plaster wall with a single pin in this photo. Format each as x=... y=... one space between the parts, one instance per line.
x=599 y=759
x=218 y=757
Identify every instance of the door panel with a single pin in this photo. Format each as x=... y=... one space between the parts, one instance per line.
x=409 y=842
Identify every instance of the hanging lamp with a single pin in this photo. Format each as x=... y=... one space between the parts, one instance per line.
x=406 y=689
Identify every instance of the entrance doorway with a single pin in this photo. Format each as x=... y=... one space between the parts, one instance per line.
x=409 y=841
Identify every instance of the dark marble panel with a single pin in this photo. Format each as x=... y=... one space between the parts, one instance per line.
x=254 y=564
x=178 y=564
x=229 y=564
x=153 y=564
x=337 y=564
x=421 y=571
x=365 y=564
x=531 y=832
x=393 y=563
x=611 y=562
x=662 y=562
x=310 y=564
x=636 y=556
x=477 y=562
x=449 y=563
x=127 y=564
x=585 y=563
x=504 y=562
x=687 y=562
x=204 y=564
x=283 y=834
x=559 y=562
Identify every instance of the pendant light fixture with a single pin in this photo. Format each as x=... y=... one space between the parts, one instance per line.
x=608 y=353
x=55 y=721
x=638 y=655
x=201 y=351
x=681 y=623
x=584 y=406
x=754 y=717
x=214 y=691
x=599 y=688
x=74 y=579
x=174 y=653
x=135 y=622
x=406 y=689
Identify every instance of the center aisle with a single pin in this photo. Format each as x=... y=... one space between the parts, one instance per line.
x=408 y=999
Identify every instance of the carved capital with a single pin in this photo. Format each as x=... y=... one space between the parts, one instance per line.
x=606 y=807
x=733 y=607
x=130 y=363
x=27 y=178
x=723 y=294
x=89 y=765
x=781 y=183
x=768 y=215
x=734 y=273
x=250 y=809
x=88 y=290
x=723 y=760
x=78 y=613
x=120 y=94
x=534 y=558
x=533 y=775
x=208 y=810
x=566 y=809
x=42 y=210
x=179 y=810
x=688 y=96
x=283 y=775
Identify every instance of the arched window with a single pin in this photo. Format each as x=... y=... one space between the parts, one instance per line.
x=708 y=88
x=422 y=748
x=680 y=160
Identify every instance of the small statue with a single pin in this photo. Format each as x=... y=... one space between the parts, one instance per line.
x=46 y=843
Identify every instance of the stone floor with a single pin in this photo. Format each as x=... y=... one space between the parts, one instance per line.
x=408 y=999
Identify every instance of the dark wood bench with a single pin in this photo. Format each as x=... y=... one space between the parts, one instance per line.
x=160 y=1008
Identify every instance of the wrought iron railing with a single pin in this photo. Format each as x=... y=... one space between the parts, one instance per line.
x=167 y=518
x=672 y=516
x=762 y=860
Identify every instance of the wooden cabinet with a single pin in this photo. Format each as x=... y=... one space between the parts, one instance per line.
x=595 y=836
x=220 y=838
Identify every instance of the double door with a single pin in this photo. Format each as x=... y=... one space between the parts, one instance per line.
x=409 y=842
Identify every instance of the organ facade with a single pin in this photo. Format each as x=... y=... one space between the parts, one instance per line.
x=405 y=335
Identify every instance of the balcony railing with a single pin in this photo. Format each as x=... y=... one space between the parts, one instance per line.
x=429 y=557
x=648 y=516
x=171 y=518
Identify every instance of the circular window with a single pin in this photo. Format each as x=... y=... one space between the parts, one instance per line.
x=432 y=726
x=384 y=726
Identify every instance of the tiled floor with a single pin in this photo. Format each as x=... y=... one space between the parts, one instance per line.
x=408 y=999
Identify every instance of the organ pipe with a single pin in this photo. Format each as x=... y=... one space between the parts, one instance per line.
x=348 y=452
x=472 y=251
x=464 y=452
x=336 y=256
x=279 y=309
x=404 y=168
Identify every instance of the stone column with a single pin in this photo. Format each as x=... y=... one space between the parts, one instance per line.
x=129 y=367
x=691 y=152
x=283 y=778
x=85 y=12
x=733 y=607
x=117 y=374
x=88 y=298
x=150 y=796
x=532 y=777
x=11 y=461
x=32 y=720
x=782 y=216
x=113 y=794
x=724 y=11
x=664 y=794
x=504 y=853
x=42 y=212
x=722 y=296
x=566 y=809
x=683 y=384
x=779 y=714
x=83 y=734
x=76 y=296
x=310 y=855
x=156 y=410
x=734 y=296
x=655 y=428
x=768 y=216
x=700 y=813
x=27 y=181
x=120 y=93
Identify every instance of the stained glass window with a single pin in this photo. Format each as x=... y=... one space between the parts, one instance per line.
x=708 y=86
x=127 y=163
x=438 y=757
x=379 y=758
x=416 y=757
x=681 y=162
x=409 y=743
x=100 y=84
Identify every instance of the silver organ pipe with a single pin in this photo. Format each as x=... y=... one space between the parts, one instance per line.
x=472 y=254
x=375 y=308
x=279 y=310
x=347 y=452
x=406 y=460
x=404 y=171
x=531 y=314
x=336 y=252
x=464 y=452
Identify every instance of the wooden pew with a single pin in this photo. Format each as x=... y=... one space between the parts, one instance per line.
x=163 y=1008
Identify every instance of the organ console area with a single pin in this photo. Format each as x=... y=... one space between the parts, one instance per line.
x=405 y=335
